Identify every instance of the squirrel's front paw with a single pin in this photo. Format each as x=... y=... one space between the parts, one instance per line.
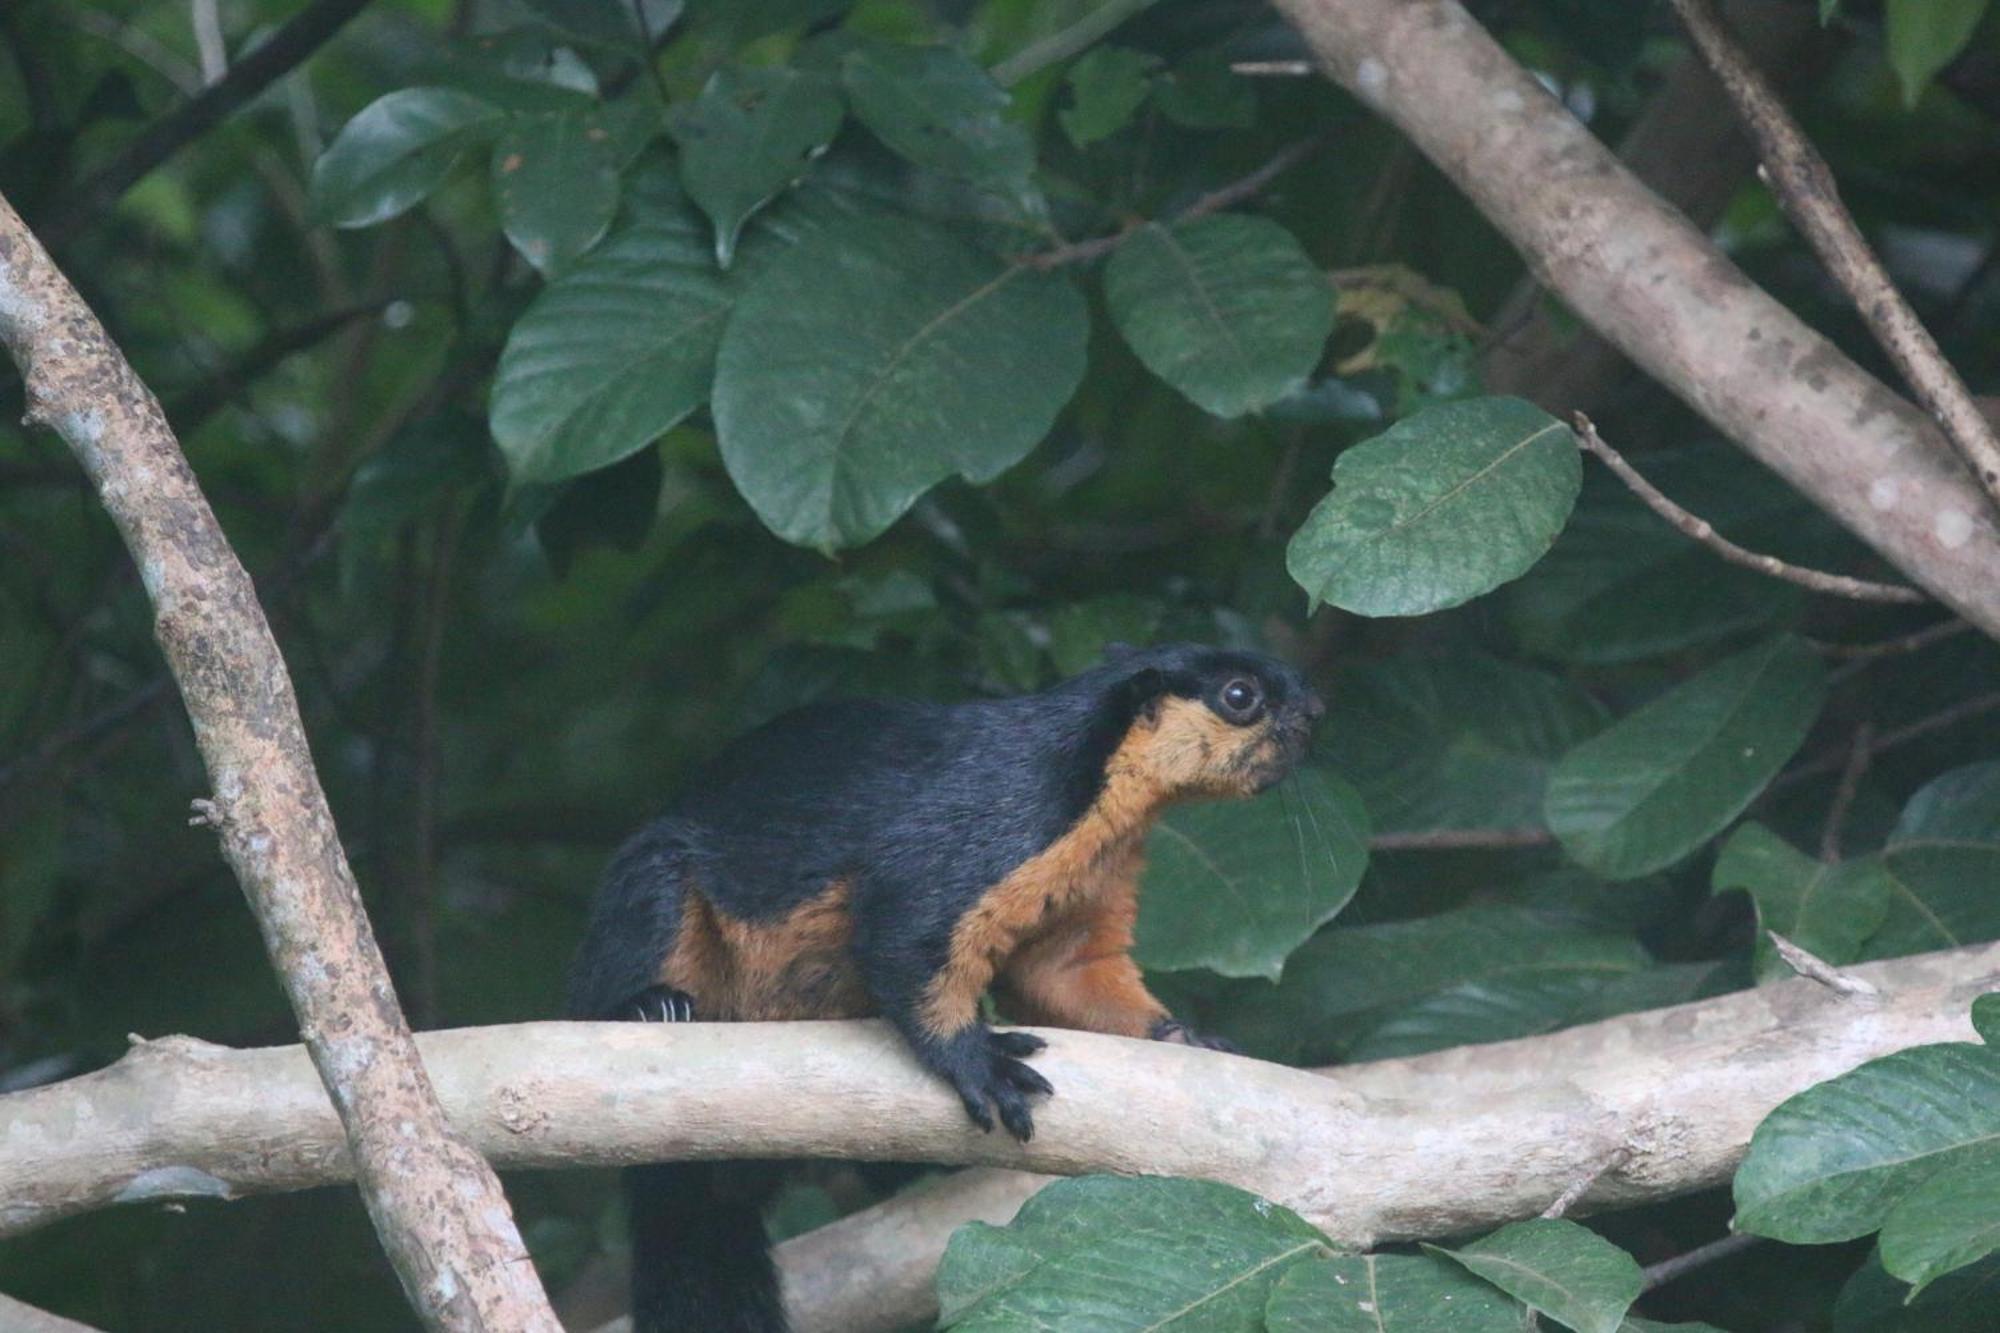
x=660 y=1004
x=1173 y=1030
x=987 y=1069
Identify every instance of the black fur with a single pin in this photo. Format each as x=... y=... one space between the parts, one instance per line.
x=921 y=808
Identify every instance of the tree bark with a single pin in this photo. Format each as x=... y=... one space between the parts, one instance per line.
x=1653 y=285
x=1396 y=1150
x=436 y=1205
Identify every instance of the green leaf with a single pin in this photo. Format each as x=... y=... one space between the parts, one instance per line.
x=1080 y=631
x=1950 y=1221
x=1960 y=1302
x=940 y=110
x=1559 y=1268
x=1227 y=309
x=1462 y=741
x=1986 y=1018
x=613 y=354
x=608 y=23
x=1386 y=1293
x=1439 y=508
x=1656 y=785
x=1832 y=1162
x=1236 y=886
x=1114 y=1252
x=555 y=180
x=751 y=133
x=1923 y=36
x=394 y=152
x=1827 y=910
x=1106 y=86
x=1942 y=860
x=877 y=358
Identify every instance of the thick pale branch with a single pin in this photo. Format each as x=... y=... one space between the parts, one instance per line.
x=1427 y=1146
x=437 y=1207
x=1656 y=287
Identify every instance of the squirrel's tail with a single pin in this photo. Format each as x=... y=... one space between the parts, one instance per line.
x=701 y=1262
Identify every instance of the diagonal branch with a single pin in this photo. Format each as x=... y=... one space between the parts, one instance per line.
x=435 y=1203
x=1805 y=186
x=1660 y=290
x=288 y=48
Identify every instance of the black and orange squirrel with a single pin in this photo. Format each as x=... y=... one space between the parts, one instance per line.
x=900 y=858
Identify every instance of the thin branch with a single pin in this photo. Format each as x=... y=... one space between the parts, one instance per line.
x=1273 y=69
x=1805 y=187
x=1459 y=839
x=1213 y=202
x=1814 y=968
x=19 y=1317
x=1942 y=720
x=1908 y=643
x=436 y=1205
x=1701 y=530
x=289 y=47
x=192 y=409
x=1858 y=756
x=1579 y=1187
x=1060 y=46
x=1667 y=1270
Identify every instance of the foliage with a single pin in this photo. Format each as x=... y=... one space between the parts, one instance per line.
x=584 y=383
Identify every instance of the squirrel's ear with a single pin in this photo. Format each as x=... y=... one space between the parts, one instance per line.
x=1142 y=690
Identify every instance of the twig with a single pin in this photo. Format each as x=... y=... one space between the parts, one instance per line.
x=1942 y=720
x=287 y=48
x=1805 y=187
x=1455 y=839
x=1058 y=46
x=1273 y=69
x=192 y=409
x=1213 y=202
x=1858 y=756
x=1814 y=968
x=1701 y=530
x=435 y=1203
x=1667 y=1270
x=1908 y=643
x=1581 y=1185
x=17 y=1317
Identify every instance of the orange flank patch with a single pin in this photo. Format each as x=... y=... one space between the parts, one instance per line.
x=798 y=965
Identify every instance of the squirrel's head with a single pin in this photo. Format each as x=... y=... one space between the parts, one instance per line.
x=1212 y=721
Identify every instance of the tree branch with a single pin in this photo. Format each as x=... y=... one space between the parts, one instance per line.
x=437 y=1207
x=1805 y=186
x=1400 y=1149
x=1655 y=286
x=1701 y=530
x=18 y=1317
x=289 y=47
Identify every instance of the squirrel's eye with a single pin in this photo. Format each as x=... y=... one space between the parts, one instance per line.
x=1240 y=699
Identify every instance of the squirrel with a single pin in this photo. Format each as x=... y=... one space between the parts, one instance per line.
x=900 y=858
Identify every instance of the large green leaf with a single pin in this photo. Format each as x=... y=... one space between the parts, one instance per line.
x=555 y=179
x=1462 y=741
x=612 y=355
x=1655 y=785
x=1943 y=860
x=1113 y=1252
x=395 y=151
x=1570 y=1274
x=1387 y=1293
x=1923 y=36
x=1986 y=1018
x=751 y=133
x=1825 y=909
x=941 y=110
x=1960 y=1302
x=1832 y=1162
x=1946 y=1223
x=877 y=358
x=1236 y=886
x=1441 y=507
x=1228 y=310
